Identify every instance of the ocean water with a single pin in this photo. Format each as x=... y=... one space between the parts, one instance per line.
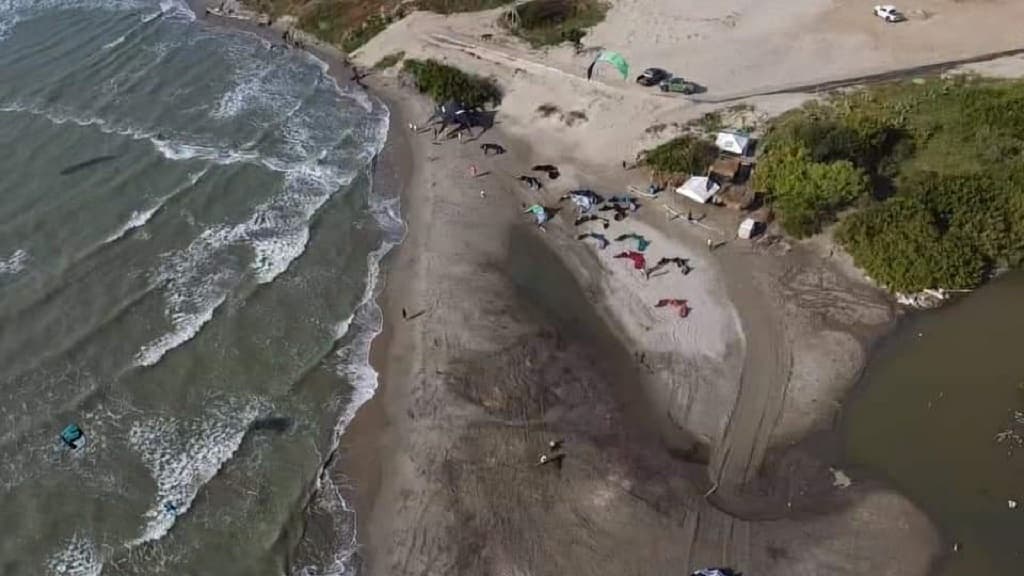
x=189 y=248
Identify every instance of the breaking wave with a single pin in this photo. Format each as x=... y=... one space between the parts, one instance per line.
x=182 y=456
x=14 y=263
x=78 y=558
x=140 y=218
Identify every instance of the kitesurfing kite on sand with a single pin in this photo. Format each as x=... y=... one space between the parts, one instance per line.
x=613 y=58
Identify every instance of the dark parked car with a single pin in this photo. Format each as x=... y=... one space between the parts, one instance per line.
x=679 y=85
x=652 y=77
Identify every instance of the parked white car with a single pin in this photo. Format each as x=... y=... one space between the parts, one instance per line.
x=889 y=13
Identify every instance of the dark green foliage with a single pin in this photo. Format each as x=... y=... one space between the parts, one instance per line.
x=945 y=158
x=808 y=194
x=550 y=22
x=680 y=156
x=901 y=244
x=356 y=38
x=342 y=23
x=389 y=60
x=442 y=83
x=454 y=6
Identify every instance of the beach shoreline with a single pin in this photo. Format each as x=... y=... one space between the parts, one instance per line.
x=796 y=509
x=407 y=450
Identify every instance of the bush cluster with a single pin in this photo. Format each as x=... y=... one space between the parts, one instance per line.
x=934 y=171
x=443 y=83
x=550 y=22
x=681 y=156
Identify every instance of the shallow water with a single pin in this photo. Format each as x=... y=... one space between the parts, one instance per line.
x=188 y=241
x=941 y=415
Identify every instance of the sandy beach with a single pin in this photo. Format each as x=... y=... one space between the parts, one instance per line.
x=527 y=337
x=688 y=442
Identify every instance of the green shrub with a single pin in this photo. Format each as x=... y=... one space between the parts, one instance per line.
x=455 y=6
x=550 y=22
x=389 y=60
x=683 y=155
x=902 y=246
x=945 y=159
x=442 y=83
x=354 y=39
x=808 y=194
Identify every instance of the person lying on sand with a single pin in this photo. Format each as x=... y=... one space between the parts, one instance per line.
x=491 y=148
x=592 y=218
x=602 y=241
x=682 y=305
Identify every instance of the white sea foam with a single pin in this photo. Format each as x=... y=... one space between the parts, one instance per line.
x=14 y=263
x=352 y=362
x=115 y=42
x=196 y=284
x=78 y=558
x=139 y=218
x=183 y=456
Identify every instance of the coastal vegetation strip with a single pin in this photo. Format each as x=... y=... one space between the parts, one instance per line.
x=445 y=83
x=551 y=22
x=349 y=24
x=926 y=178
x=680 y=157
x=389 y=61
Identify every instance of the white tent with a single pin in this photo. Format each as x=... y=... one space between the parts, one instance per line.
x=732 y=142
x=699 y=189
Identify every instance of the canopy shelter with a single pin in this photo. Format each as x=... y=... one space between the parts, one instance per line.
x=732 y=142
x=454 y=113
x=699 y=189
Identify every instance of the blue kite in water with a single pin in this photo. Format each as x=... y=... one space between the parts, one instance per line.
x=72 y=436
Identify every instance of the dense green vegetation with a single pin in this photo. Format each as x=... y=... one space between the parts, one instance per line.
x=454 y=6
x=442 y=83
x=549 y=22
x=933 y=173
x=682 y=156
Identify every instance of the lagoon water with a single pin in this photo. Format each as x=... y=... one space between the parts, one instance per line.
x=940 y=414
x=189 y=244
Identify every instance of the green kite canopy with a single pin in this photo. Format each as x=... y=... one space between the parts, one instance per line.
x=613 y=58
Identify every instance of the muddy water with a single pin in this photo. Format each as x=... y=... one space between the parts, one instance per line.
x=941 y=416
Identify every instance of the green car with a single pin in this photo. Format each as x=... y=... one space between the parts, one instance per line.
x=679 y=85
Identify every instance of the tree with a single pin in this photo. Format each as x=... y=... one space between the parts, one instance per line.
x=807 y=194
